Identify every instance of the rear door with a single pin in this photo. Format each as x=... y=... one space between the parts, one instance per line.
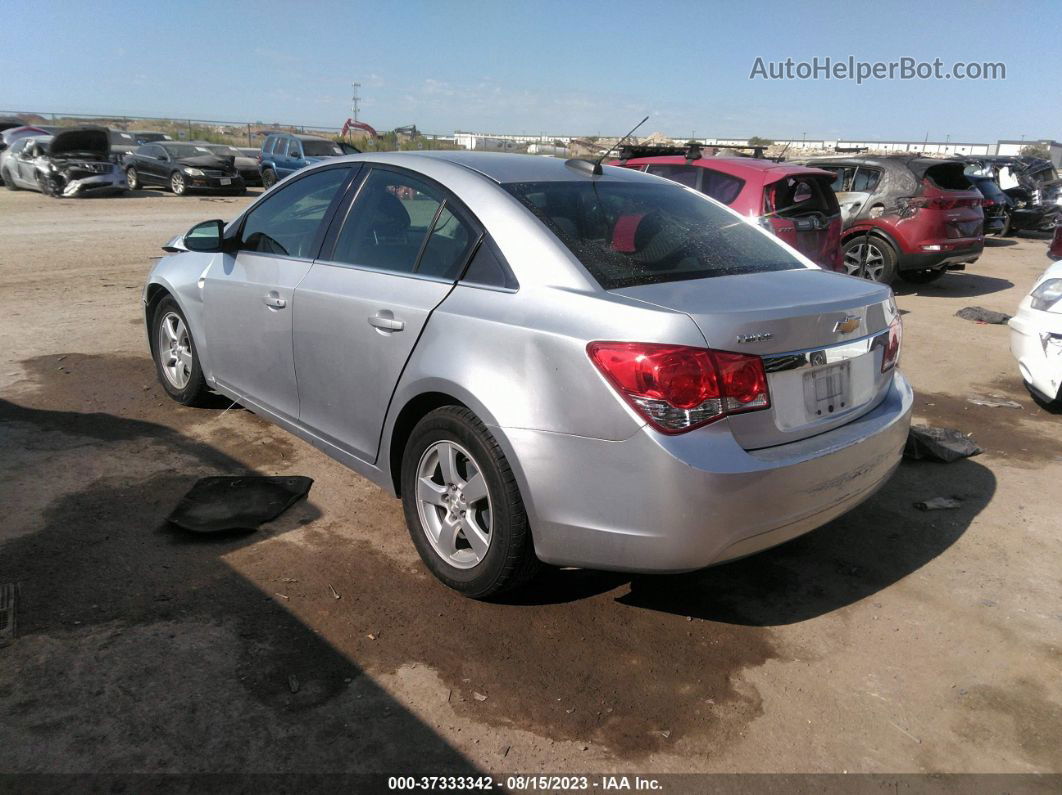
x=248 y=296
x=363 y=305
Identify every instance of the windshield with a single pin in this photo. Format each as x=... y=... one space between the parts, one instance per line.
x=186 y=150
x=631 y=234
x=222 y=149
x=311 y=148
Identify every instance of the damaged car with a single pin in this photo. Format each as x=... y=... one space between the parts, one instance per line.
x=73 y=162
x=182 y=168
x=1036 y=333
x=909 y=216
x=1031 y=188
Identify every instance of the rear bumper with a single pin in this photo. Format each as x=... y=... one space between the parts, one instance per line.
x=951 y=252
x=655 y=503
x=1036 y=344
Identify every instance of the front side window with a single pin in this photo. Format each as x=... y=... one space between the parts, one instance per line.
x=388 y=222
x=293 y=148
x=286 y=222
x=628 y=234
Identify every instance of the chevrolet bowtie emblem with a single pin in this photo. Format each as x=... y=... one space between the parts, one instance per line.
x=846 y=326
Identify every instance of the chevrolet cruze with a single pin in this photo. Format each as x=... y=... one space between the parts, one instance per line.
x=547 y=361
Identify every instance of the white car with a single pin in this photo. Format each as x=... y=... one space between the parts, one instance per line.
x=1036 y=336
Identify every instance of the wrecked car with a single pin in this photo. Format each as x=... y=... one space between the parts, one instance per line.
x=246 y=160
x=1030 y=185
x=905 y=215
x=792 y=202
x=1036 y=334
x=73 y=162
x=995 y=205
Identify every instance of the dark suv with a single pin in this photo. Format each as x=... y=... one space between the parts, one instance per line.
x=904 y=215
x=285 y=153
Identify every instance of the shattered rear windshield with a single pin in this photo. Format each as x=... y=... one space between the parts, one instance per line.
x=628 y=234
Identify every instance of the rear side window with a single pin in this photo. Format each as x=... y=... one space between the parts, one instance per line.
x=286 y=222
x=866 y=179
x=683 y=175
x=487 y=268
x=842 y=179
x=627 y=234
x=448 y=246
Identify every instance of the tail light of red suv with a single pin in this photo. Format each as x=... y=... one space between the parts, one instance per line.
x=677 y=388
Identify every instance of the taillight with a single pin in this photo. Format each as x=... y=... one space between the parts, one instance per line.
x=891 y=356
x=678 y=388
x=988 y=203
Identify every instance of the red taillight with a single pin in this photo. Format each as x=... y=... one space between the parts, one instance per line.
x=678 y=388
x=988 y=203
x=891 y=357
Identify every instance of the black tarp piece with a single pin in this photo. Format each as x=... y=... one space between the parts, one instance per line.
x=979 y=314
x=216 y=504
x=925 y=443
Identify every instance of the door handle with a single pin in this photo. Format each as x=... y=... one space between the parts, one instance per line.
x=273 y=300
x=385 y=321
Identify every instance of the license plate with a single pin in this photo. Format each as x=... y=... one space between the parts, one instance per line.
x=226 y=181
x=826 y=390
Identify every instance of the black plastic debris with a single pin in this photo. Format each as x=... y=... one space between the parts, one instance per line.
x=216 y=504
x=979 y=314
x=925 y=443
x=939 y=504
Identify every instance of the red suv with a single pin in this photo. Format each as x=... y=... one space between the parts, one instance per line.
x=908 y=216
x=794 y=202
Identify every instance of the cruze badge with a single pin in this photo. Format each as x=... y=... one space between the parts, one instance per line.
x=763 y=336
x=846 y=326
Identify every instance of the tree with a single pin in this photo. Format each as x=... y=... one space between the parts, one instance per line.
x=757 y=141
x=1036 y=150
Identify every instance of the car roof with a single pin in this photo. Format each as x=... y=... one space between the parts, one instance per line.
x=505 y=167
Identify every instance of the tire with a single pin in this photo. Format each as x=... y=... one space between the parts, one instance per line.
x=133 y=179
x=1006 y=231
x=188 y=386
x=923 y=276
x=880 y=259
x=178 y=184
x=269 y=178
x=9 y=182
x=497 y=518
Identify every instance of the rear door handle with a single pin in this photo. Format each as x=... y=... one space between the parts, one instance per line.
x=385 y=321
x=273 y=300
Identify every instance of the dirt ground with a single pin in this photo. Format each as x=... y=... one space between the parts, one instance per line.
x=891 y=640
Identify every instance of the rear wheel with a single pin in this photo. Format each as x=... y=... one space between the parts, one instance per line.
x=463 y=507
x=871 y=258
x=269 y=178
x=132 y=179
x=178 y=184
x=1007 y=230
x=923 y=276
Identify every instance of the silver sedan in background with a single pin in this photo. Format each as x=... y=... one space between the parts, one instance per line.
x=549 y=362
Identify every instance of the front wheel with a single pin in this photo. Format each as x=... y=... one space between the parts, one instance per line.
x=132 y=179
x=9 y=181
x=176 y=359
x=870 y=258
x=178 y=184
x=463 y=507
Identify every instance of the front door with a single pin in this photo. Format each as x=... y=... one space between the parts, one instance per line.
x=248 y=296
x=362 y=307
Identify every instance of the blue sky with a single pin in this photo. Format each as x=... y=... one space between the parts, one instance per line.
x=553 y=67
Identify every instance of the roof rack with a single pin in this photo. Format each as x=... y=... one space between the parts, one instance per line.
x=689 y=151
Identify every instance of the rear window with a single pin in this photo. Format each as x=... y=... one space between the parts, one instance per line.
x=629 y=234
x=795 y=196
x=948 y=176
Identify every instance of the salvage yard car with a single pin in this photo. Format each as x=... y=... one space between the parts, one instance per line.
x=547 y=361
x=182 y=168
x=73 y=162
x=909 y=216
x=285 y=153
x=794 y=202
x=1036 y=332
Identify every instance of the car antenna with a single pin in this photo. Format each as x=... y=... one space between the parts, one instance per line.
x=594 y=167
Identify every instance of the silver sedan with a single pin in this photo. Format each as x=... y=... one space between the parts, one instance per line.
x=549 y=362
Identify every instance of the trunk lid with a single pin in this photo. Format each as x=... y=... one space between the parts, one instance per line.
x=821 y=335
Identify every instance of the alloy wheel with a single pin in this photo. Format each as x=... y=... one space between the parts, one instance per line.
x=175 y=350
x=177 y=183
x=865 y=259
x=454 y=505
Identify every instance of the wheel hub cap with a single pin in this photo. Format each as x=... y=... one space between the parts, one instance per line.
x=454 y=505
x=175 y=350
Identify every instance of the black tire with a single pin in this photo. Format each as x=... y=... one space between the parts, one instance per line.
x=510 y=557
x=1006 y=231
x=178 y=183
x=877 y=251
x=269 y=178
x=133 y=179
x=9 y=183
x=923 y=276
x=195 y=391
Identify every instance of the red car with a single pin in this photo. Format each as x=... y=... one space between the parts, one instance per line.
x=906 y=215
x=1055 y=251
x=796 y=203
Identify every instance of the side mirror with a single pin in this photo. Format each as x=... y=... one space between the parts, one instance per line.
x=206 y=237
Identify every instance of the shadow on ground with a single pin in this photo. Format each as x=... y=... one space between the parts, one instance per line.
x=955 y=284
